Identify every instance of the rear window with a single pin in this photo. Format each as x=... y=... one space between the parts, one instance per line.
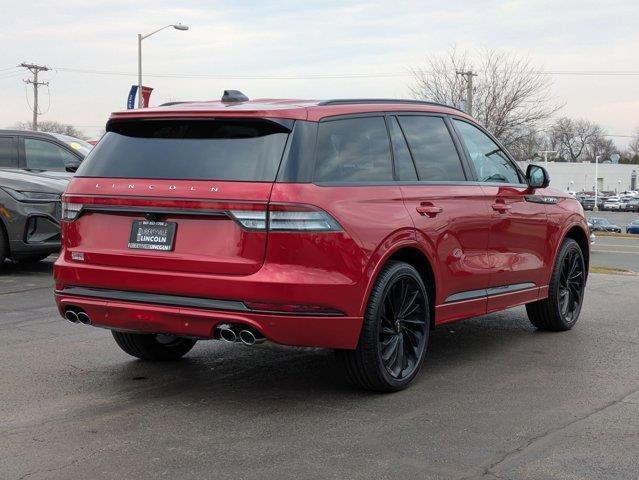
x=353 y=150
x=189 y=150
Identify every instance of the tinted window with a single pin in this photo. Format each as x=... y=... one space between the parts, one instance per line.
x=404 y=166
x=202 y=150
x=353 y=150
x=432 y=148
x=491 y=163
x=8 y=152
x=43 y=155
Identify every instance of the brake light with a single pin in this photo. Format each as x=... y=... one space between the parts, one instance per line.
x=285 y=217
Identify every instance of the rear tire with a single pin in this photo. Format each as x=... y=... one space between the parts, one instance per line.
x=4 y=245
x=394 y=337
x=560 y=311
x=153 y=347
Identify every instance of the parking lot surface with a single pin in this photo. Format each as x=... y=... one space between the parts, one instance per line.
x=496 y=399
x=616 y=252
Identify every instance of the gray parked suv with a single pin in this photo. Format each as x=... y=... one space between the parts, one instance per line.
x=35 y=168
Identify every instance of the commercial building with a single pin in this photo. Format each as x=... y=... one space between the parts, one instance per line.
x=579 y=177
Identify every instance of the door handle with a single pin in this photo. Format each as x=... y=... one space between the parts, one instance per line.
x=430 y=210
x=501 y=207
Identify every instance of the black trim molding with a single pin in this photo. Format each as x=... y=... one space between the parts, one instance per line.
x=488 y=292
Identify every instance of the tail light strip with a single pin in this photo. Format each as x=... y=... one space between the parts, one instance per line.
x=254 y=216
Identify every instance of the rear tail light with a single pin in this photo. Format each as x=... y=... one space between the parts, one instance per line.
x=282 y=217
x=70 y=210
x=250 y=219
x=278 y=217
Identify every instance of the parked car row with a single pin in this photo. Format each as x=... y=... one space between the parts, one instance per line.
x=597 y=224
x=624 y=203
x=35 y=168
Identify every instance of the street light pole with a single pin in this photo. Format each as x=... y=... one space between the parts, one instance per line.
x=177 y=26
x=140 y=99
x=596 y=208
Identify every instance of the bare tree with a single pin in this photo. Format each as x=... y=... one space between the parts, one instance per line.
x=52 y=126
x=633 y=146
x=510 y=96
x=571 y=138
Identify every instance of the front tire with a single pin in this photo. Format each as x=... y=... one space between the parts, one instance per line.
x=153 y=346
x=394 y=337
x=560 y=311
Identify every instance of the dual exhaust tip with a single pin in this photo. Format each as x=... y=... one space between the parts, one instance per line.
x=240 y=333
x=77 y=315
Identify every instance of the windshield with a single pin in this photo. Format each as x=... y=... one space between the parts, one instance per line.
x=243 y=150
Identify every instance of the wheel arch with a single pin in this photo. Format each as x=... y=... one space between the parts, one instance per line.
x=577 y=233
x=415 y=256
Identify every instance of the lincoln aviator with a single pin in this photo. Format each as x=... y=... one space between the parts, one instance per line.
x=353 y=225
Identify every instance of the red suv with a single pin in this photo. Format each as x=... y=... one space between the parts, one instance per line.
x=356 y=225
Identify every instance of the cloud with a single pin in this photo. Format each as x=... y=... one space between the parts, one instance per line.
x=291 y=37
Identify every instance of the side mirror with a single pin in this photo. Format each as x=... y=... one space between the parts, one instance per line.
x=537 y=177
x=71 y=166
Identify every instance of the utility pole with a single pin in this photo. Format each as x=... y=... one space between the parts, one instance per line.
x=35 y=69
x=468 y=75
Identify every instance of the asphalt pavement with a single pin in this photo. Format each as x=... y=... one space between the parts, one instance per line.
x=616 y=252
x=496 y=399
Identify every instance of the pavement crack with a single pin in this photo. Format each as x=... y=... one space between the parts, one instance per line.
x=487 y=471
x=48 y=287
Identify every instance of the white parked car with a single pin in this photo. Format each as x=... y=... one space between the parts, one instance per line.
x=612 y=203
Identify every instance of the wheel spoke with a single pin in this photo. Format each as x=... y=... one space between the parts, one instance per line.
x=390 y=350
x=409 y=305
x=402 y=327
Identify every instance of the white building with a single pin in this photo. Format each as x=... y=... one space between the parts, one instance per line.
x=581 y=176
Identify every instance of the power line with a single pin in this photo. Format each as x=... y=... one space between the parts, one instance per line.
x=320 y=76
x=35 y=70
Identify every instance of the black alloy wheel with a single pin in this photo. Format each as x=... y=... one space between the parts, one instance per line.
x=560 y=310
x=403 y=327
x=394 y=336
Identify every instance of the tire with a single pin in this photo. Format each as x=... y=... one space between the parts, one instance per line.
x=153 y=347
x=391 y=347
x=560 y=311
x=4 y=245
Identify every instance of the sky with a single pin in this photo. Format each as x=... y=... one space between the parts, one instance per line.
x=257 y=46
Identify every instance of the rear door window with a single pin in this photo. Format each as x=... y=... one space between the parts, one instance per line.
x=241 y=150
x=353 y=150
x=432 y=148
x=44 y=155
x=8 y=152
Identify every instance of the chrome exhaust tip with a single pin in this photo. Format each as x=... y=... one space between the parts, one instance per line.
x=83 y=317
x=227 y=334
x=71 y=316
x=249 y=337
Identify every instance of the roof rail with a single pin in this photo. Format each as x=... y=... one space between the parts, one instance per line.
x=355 y=101
x=168 y=104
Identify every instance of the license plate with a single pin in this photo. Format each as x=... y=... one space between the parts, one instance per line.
x=147 y=235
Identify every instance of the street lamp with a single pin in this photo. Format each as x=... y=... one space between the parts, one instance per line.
x=595 y=208
x=141 y=37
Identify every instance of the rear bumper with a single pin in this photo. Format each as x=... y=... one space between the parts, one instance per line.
x=311 y=331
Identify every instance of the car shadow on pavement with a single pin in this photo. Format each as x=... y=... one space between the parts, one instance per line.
x=26 y=268
x=217 y=372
